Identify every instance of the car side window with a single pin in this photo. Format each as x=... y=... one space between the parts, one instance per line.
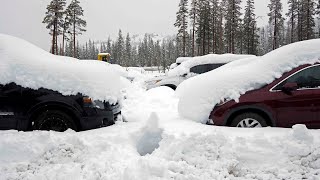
x=200 y=69
x=308 y=78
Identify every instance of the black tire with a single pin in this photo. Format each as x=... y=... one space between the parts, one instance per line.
x=173 y=87
x=249 y=120
x=54 y=120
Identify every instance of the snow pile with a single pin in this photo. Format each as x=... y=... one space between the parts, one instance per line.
x=188 y=63
x=30 y=66
x=199 y=95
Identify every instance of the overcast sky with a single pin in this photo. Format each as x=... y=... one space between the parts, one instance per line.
x=22 y=18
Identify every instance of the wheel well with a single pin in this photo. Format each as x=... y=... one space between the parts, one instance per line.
x=174 y=87
x=59 y=107
x=252 y=110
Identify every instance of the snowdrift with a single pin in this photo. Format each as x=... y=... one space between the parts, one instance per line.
x=199 y=95
x=32 y=67
x=187 y=62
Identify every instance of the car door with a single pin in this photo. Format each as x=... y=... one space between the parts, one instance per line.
x=301 y=106
x=7 y=120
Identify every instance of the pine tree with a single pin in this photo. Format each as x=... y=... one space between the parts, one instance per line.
x=53 y=19
x=293 y=19
x=276 y=22
x=182 y=24
x=193 y=17
x=203 y=27
x=119 y=48
x=65 y=28
x=128 y=50
x=250 y=39
x=232 y=25
x=75 y=12
x=307 y=21
x=215 y=24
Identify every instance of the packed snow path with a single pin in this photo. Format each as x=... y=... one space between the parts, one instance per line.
x=156 y=143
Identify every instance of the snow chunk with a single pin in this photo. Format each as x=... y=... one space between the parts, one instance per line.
x=151 y=136
x=187 y=62
x=199 y=95
x=32 y=67
x=302 y=134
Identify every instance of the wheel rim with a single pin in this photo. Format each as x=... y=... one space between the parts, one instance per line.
x=249 y=123
x=54 y=124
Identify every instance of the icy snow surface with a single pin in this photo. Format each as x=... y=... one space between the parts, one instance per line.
x=187 y=62
x=30 y=66
x=200 y=94
x=157 y=143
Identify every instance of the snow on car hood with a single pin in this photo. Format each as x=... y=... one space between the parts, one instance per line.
x=188 y=63
x=29 y=66
x=199 y=95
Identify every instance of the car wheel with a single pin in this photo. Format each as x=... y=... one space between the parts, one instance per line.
x=249 y=120
x=54 y=120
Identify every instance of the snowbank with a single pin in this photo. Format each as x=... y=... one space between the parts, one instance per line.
x=30 y=66
x=187 y=63
x=199 y=95
x=157 y=143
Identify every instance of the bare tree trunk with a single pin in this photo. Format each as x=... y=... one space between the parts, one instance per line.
x=74 y=34
x=275 y=30
x=233 y=29
x=184 y=38
x=292 y=25
x=308 y=21
x=63 y=38
x=57 y=52
x=193 y=33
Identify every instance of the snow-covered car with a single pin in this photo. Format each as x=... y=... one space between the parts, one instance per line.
x=189 y=67
x=256 y=87
x=42 y=91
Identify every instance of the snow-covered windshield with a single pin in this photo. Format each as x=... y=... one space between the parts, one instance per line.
x=187 y=63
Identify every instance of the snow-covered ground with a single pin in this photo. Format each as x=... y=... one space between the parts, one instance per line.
x=156 y=143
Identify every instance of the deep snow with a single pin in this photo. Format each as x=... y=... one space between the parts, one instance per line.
x=157 y=143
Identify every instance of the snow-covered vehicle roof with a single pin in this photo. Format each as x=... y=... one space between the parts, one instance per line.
x=199 y=95
x=188 y=62
x=179 y=60
x=29 y=66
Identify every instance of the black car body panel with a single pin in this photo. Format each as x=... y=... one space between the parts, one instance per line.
x=20 y=106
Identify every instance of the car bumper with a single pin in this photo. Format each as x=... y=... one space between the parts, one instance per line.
x=96 y=118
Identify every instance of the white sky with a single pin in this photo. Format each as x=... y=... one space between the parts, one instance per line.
x=22 y=18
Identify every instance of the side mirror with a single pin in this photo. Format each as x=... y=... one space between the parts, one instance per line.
x=185 y=75
x=289 y=87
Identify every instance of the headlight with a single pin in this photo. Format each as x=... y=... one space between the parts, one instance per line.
x=222 y=102
x=153 y=82
x=98 y=104
x=88 y=102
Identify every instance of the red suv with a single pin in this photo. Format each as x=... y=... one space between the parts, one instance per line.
x=292 y=99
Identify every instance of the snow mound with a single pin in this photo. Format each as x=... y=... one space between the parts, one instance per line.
x=32 y=67
x=199 y=95
x=151 y=136
x=187 y=63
